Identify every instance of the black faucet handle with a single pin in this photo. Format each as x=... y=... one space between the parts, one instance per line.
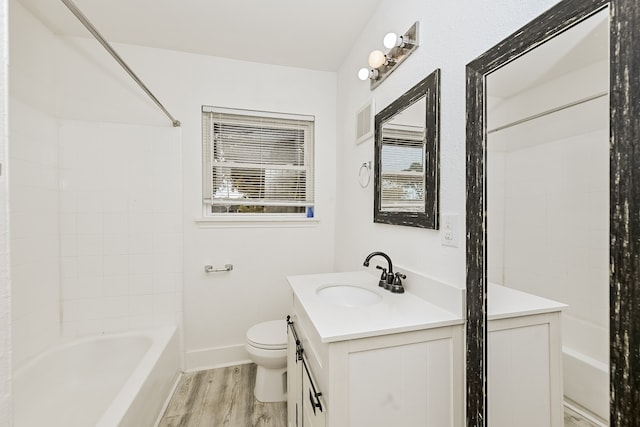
x=383 y=277
x=397 y=287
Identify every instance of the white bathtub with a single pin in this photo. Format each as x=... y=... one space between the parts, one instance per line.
x=118 y=380
x=586 y=382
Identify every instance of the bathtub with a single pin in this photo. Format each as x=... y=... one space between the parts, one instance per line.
x=586 y=383
x=106 y=381
x=585 y=360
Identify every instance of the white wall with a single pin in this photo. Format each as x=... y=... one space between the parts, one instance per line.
x=33 y=187
x=451 y=35
x=5 y=292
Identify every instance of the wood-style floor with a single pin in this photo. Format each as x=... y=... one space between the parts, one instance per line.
x=221 y=397
x=224 y=397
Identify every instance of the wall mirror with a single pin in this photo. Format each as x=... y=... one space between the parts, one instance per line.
x=550 y=173
x=407 y=134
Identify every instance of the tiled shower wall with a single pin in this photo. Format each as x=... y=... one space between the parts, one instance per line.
x=33 y=187
x=120 y=227
x=34 y=216
x=5 y=295
x=555 y=236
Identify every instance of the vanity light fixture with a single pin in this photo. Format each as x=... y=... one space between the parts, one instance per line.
x=381 y=64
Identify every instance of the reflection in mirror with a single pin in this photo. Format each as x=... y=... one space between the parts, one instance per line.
x=547 y=187
x=402 y=164
x=406 y=157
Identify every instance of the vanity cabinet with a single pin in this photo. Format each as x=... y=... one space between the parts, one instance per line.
x=412 y=378
x=524 y=360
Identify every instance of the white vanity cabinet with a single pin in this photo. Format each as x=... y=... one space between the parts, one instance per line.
x=524 y=360
x=412 y=378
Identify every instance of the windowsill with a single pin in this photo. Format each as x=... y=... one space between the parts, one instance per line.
x=256 y=221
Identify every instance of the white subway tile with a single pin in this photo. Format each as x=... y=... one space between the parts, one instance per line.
x=69 y=223
x=116 y=202
x=90 y=201
x=90 y=266
x=116 y=285
x=167 y=223
x=68 y=201
x=140 y=202
x=141 y=322
x=116 y=265
x=78 y=288
x=141 y=243
x=141 y=305
x=89 y=244
x=167 y=242
x=166 y=282
x=68 y=267
x=115 y=223
x=116 y=244
x=90 y=223
x=140 y=223
x=140 y=284
x=170 y=262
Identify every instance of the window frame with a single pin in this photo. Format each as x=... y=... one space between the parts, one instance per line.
x=309 y=166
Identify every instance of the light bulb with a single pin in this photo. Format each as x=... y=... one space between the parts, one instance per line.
x=390 y=40
x=376 y=59
x=363 y=74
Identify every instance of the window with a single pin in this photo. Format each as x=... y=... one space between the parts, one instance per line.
x=257 y=163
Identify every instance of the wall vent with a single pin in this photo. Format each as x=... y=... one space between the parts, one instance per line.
x=364 y=122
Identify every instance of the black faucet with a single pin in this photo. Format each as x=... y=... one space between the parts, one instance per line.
x=386 y=279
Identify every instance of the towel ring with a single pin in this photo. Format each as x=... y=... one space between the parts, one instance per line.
x=364 y=176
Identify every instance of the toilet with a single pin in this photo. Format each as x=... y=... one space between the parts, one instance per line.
x=267 y=347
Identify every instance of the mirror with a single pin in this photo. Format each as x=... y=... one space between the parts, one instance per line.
x=622 y=237
x=406 y=174
x=547 y=196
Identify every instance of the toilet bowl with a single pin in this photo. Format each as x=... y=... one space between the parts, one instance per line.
x=267 y=348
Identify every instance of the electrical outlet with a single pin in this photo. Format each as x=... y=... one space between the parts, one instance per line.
x=449 y=230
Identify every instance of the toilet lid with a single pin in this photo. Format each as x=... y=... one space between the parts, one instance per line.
x=269 y=335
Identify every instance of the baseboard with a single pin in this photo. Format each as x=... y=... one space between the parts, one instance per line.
x=217 y=357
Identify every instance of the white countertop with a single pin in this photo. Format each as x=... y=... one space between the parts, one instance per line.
x=394 y=313
x=504 y=302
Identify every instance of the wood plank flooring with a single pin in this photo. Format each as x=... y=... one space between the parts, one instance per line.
x=221 y=397
x=224 y=397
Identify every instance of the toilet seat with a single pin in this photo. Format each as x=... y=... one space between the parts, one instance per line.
x=270 y=335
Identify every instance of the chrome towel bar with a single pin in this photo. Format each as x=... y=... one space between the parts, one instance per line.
x=212 y=269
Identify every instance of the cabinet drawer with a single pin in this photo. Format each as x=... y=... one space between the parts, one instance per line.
x=314 y=408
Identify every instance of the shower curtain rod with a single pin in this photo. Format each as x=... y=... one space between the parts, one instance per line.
x=89 y=26
x=551 y=111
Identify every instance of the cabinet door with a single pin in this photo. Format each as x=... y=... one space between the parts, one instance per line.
x=314 y=409
x=294 y=383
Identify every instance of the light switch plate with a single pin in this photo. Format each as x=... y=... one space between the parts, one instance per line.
x=449 y=230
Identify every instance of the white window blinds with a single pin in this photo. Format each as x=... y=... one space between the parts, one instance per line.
x=403 y=156
x=257 y=162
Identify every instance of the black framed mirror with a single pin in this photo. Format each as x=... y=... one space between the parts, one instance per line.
x=407 y=171
x=624 y=199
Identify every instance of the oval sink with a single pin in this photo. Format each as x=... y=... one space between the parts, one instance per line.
x=348 y=295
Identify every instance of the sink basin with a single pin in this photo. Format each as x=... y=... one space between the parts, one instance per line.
x=348 y=295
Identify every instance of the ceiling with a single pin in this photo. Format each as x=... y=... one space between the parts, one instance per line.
x=309 y=34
